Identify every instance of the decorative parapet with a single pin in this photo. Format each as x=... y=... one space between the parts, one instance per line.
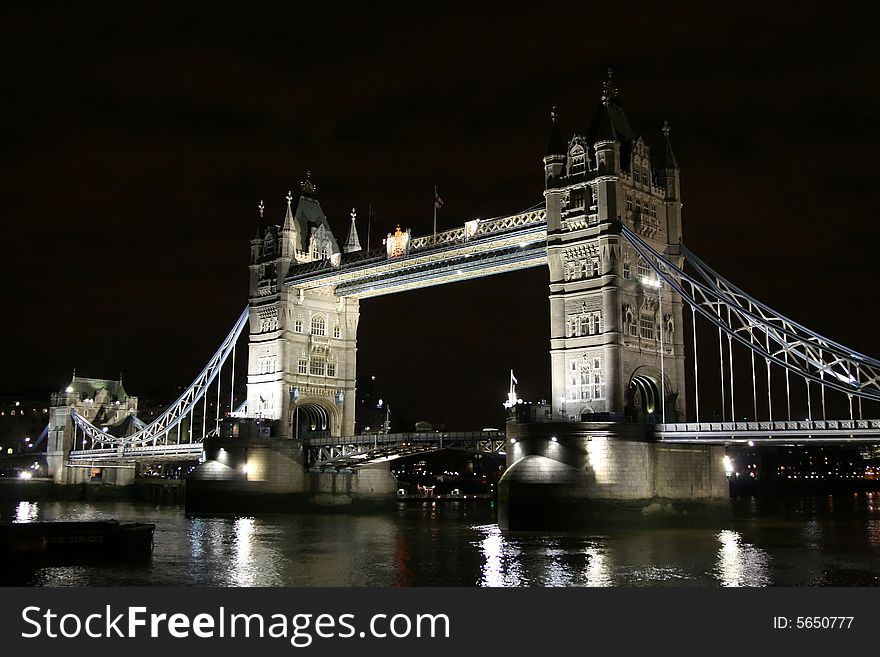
x=476 y=229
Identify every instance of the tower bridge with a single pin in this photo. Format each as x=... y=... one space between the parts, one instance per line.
x=627 y=303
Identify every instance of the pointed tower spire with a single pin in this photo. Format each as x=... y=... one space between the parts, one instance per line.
x=288 y=216
x=669 y=161
x=261 y=227
x=307 y=186
x=352 y=243
x=609 y=90
x=556 y=146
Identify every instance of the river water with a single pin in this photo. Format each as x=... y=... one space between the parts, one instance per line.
x=794 y=541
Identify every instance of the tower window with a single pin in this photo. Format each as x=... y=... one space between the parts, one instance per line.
x=302 y=366
x=331 y=369
x=319 y=325
x=317 y=366
x=337 y=332
x=626 y=272
x=298 y=325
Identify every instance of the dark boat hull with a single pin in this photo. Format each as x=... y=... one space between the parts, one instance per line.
x=105 y=540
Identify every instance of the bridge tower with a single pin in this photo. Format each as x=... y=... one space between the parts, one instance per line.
x=614 y=334
x=302 y=343
x=104 y=403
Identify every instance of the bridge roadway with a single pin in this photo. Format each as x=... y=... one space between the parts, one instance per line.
x=351 y=451
x=85 y=458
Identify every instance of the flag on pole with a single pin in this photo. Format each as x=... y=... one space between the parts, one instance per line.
x=438 y=202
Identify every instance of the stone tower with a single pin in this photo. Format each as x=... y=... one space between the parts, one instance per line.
x=608 y=317
x=302 y=343
x=104 y=403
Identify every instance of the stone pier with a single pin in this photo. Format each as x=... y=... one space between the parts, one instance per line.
x=256 y=475
x=584 y=474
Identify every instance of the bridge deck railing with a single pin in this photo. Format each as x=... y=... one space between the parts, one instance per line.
x=135 y=452
x=779 y=425
x=483 y=228
x=407 y=437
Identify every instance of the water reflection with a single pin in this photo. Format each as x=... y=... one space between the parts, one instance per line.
x=740 y=564
x=26 y=511
x=535 y=560
x=244 y=572
x=598 y=571
x=500 y=566
x=792 y=542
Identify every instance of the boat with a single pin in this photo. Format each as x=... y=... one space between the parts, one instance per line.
x=105 y=540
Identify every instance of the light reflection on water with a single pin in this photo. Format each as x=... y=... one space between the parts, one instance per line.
x=26 y=512
x=741 y=564
x=803 y=542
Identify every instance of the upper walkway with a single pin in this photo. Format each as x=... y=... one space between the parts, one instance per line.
x=479 y=248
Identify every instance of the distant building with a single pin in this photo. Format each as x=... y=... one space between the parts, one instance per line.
x=23 y=418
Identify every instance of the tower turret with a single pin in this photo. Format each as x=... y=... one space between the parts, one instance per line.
x=669 y=177
x=610 y=133
x=554 y=160
x=257 y=239
x=554 y=169
x=352 y=243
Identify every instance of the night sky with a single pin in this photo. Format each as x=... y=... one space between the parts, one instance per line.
x=135 y=147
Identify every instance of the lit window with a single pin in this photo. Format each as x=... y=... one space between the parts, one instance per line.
x=319 y=325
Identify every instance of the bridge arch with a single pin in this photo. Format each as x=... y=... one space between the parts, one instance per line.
x=314 y=417
x=643 y=396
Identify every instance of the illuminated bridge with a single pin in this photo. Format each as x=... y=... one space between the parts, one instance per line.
x=643 y=333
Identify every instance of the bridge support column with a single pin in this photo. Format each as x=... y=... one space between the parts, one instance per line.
x=369 y=485
x=569 y=475
x=241 y=474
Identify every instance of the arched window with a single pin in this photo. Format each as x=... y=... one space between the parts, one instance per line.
x=319 y=325
x=631 y=327
x=317 y=366
x=337 y=332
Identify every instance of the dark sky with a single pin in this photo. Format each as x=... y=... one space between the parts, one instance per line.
x=135 y=146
